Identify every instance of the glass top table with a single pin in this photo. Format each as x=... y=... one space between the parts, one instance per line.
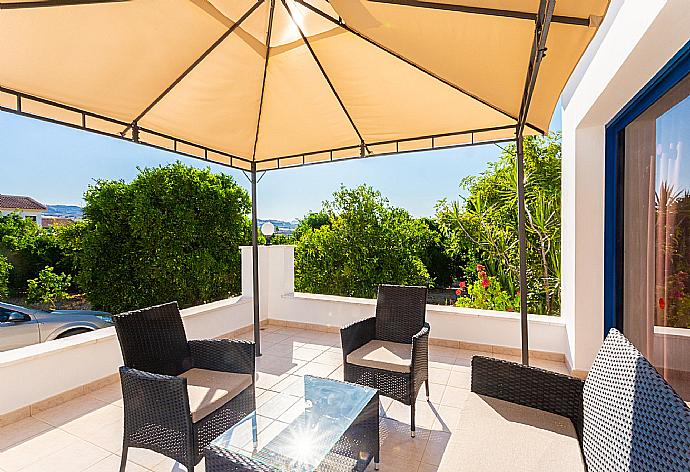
x=337 y=429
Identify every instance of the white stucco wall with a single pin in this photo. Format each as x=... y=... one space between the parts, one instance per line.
x=34 y=373
x=38 y=214
x=279 y=302
x=637 y=38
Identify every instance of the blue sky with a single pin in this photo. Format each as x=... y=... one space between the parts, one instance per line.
x=55 y=165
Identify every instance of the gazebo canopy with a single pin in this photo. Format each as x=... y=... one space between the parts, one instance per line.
x=269 y=84
x=283 y=83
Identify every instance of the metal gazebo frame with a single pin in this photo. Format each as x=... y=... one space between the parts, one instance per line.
x=58 y=113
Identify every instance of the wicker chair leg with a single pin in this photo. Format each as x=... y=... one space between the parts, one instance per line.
x=255 y=438
x=123 y=461
x=412 y=428
x=426 y=383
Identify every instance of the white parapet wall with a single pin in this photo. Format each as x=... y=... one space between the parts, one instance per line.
x=39 y=373
x=466 y=326
x=36 y=377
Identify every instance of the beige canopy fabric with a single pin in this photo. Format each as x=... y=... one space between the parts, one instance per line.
x=288 y=82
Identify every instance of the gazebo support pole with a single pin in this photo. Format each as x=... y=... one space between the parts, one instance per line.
x=541 y=30
x=522 y=241
x=255 y=265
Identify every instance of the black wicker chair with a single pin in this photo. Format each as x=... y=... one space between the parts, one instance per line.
x=390 y=352
x=179 y=395
x=626 y=417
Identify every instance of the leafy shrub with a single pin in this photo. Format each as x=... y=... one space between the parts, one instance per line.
x=5 y=268
x=365 y=242
x=30 y=248
x=484 y=228
x=172 y=234
x=48 y=288
x=486 y=294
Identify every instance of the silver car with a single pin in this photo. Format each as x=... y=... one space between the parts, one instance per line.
x=20 y=326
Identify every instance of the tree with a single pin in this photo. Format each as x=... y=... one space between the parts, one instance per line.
x=484 y=226
x=366 y=242
x=172 y=234
x=29 y=248
x=49 y=288
x=5 y=268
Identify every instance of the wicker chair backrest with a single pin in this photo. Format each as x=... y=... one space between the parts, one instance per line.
x=153 y=339
x=633 y=420
x=400 y=312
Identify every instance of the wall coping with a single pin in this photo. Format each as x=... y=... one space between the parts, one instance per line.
x=35 y=351
x=436 y=309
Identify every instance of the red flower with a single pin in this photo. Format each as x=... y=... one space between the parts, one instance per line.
x=458 y=292
x=482 y=274
x=480 y=267
x=510 y=310
x=485 y=283
x=463 y=284
x=662 y=303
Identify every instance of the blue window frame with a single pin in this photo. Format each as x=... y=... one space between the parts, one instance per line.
x=670 y=75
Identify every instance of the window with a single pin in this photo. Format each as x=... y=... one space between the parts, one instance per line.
x=11 y=315
x=648 y=238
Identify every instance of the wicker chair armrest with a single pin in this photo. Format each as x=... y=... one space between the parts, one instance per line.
x=357 y=334
x=155 y=399
x=225 y=355
x=420 y=347
x=529 y=386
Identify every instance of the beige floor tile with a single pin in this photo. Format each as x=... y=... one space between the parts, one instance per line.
x=146 y=458
x=21 y=431
x=169 y=465
x=112 y=464
x=108 y=437
x=279 y=349
x=71 y=410
x=438 y=376
x=109 y=394
x=443 y=351
x=277 y=405
x=316 y=345
x=306 y=354
x=395 y=464
x=292 y=385
x=435 y=393
x=461 y=379
x=445 y=364
x=94 y=421
x=87 y=435
x=76 y=457
x=447 y=418
x=266 y=381
x=454 y=396
x=36 y=448
x=265 y=397
x=436 y=447
x=315 y=369
x=275 y=365
x=272 y=338
x=330 y=358
x=427 y=468
x=337 y=374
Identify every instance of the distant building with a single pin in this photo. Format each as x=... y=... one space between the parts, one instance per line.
x=25 y=206
x=48 y=221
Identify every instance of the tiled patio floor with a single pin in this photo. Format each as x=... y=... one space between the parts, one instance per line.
x=85 y=434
